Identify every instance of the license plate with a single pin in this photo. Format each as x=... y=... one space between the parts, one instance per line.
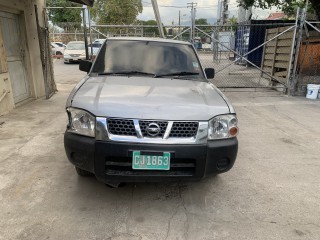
x=151 y=162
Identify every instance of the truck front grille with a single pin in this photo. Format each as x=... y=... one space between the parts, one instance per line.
x=121 y=127
x=184 y=129
x=126 y=127
x=144 y=124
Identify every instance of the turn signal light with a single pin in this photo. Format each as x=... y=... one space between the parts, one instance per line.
x=233 y=131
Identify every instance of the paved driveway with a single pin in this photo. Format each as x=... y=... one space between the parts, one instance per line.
x=273 y=191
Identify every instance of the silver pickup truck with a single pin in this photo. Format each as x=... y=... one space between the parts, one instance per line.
x=147 y=112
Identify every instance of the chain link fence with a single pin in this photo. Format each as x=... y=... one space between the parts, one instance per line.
x=254 y=54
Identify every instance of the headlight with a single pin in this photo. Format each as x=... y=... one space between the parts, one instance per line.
x=223 y=126
x=66 y=55
x=81 y=122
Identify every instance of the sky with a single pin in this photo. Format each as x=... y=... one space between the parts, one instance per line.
x=169 y=11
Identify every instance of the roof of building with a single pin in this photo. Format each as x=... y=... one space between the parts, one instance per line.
x=276 y=16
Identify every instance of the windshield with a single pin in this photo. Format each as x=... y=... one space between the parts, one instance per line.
x=59 y=44
x=75 y=46
x=157 y=58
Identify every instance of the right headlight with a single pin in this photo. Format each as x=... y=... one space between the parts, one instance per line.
x=223 y=126
x=81 y=122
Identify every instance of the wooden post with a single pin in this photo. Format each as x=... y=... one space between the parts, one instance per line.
x=3 y=55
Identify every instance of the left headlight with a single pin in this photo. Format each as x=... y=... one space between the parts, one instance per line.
x=81 y=122
x=223 y=126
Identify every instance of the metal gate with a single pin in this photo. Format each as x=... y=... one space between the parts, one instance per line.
x=255 y=54
x=258 y=54
x=307 y=63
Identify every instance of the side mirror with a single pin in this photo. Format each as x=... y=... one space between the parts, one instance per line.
x=209 y=72
x=85 y=65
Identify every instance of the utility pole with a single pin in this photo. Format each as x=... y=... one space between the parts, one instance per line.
x=157 y=15
x=223 y=11
x=179 y=24
x=244 y=15
x=192 y=5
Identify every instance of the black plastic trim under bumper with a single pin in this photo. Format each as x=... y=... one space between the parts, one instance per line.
x=110 y=161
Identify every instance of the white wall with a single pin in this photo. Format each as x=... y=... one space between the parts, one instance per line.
x=26 y=11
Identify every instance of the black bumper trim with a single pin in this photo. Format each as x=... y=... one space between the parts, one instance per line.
x=111 y=161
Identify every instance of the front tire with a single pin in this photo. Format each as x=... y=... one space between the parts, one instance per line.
x=83 y=173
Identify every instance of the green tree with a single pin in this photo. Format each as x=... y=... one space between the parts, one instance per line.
x=232 y=21
x=291 y=9
x=118 y=12
x=286 y=5
x=68 y=19
x=151 y=31
x=201 y=21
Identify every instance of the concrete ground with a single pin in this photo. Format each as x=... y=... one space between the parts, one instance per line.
x=273 y=191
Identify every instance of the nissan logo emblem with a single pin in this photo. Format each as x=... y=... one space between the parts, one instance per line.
x=153 y=129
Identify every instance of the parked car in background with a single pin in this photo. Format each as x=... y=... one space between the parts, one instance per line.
x=57 y=51
x=146 y=111
x=60 y=44
x=98 y=42
x=74 y=52
x=96 y=45
x=93 y=50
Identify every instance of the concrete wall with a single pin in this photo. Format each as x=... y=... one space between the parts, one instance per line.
x=26 y=11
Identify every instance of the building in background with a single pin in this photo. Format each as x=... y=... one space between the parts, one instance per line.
x=22 y=75
x=277 y=16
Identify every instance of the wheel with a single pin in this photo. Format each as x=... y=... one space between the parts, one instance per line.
x=83 y=173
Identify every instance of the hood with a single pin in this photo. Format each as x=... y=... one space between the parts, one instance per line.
x=150 y=98
x=74 y=52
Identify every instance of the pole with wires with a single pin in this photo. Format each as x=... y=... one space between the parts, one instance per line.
x=158 y=18
x=192 y=5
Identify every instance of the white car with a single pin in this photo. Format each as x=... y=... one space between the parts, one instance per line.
x=99 y=42
x=74 y=52
x=56 y=50
x=60 y=44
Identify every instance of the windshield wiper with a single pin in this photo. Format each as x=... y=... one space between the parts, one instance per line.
x=127 y=73
x=177 y=74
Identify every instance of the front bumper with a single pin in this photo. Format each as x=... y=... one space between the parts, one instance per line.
x=74 y=59
x=111 y=161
